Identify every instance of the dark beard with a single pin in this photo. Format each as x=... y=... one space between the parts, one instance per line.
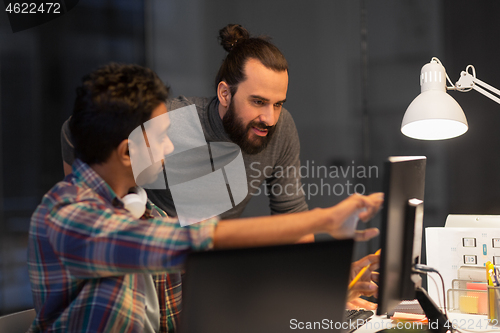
x=238 y=132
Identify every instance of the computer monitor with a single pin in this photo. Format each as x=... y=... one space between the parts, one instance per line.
x=401 y=233
x=401 y=236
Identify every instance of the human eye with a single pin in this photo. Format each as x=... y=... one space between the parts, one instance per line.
x=258 y=102
x=278 y=105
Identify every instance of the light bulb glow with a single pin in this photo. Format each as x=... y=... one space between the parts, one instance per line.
x=434 y=129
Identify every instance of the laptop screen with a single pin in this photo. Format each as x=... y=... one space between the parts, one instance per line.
x=266 y=289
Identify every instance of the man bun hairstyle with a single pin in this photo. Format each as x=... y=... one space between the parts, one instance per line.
x=241 y=46
x=111 y=102
x=231 y=34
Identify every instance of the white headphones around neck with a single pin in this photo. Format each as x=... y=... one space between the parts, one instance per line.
x=135 y=202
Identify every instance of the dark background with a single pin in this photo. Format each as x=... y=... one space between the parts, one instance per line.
x=354 y=69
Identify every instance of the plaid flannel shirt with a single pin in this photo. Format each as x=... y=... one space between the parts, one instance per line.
x=87 y=257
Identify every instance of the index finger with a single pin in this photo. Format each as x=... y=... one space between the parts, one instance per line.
x=368 y=260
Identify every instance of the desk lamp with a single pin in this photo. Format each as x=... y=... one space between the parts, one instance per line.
x=435 y=115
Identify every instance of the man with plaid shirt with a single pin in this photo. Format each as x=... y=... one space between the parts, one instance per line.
x=93 y=266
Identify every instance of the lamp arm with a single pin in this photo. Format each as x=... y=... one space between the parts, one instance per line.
x=468 y=81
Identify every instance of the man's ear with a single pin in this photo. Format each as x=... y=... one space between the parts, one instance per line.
x=224 y=94
x=123 y=152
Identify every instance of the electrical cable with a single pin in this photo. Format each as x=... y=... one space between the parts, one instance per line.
x=444 y=294
x=437 y=288
x=426 y=269
x=447 y=77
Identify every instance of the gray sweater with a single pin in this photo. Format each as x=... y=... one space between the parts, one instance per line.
x=278 y=164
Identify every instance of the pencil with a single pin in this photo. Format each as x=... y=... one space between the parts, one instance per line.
x=360 y=274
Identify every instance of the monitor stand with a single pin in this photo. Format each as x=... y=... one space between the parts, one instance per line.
x=438 y=322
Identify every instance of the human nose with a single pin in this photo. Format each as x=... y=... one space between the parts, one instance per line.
x=268 y=115
x=168 y=146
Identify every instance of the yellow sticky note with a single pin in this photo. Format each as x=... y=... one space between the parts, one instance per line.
x=469 y=304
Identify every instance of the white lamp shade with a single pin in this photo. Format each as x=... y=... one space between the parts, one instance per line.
x=434 y=115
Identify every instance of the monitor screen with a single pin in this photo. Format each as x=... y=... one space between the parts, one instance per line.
x=267 y=289
x=401 y=230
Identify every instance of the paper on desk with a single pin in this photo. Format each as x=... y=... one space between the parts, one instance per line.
x=401 y=316
x=447 y=253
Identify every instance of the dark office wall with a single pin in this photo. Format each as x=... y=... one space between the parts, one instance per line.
x=473 y=159
x=39 y=71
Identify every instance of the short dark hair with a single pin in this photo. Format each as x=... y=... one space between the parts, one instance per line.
x=111 y=102
x=240 y=46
